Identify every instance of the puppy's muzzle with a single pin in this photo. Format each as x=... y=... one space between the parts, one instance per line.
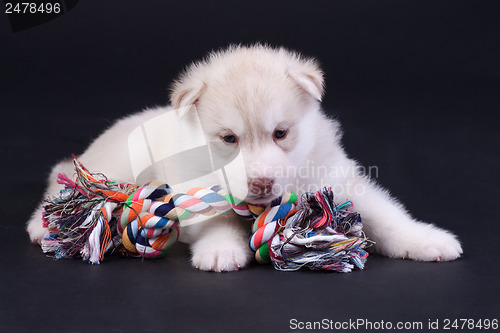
x=261 y=186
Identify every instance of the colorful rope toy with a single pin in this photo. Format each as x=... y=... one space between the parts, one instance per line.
x=93 y=216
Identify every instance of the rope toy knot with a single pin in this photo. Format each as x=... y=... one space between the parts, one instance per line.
x=147 y=225
x=316 y=234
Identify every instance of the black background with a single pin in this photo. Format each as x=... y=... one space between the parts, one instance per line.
x=415 y=84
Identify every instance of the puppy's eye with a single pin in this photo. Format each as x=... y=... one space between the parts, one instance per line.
x=280 y=134
x=230 y=138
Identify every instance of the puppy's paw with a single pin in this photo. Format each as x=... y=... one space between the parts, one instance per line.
x=430 y=244
x=437 y=245
x=222 y=255
x=36 y=230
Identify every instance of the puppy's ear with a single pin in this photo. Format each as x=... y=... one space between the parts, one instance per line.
x=309 y=77
x=186 y=92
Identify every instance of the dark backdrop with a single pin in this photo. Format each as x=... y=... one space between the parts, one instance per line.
x=415 y=84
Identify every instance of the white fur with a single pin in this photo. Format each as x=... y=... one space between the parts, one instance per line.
x=250 y=92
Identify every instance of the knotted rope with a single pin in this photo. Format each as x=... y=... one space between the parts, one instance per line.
x=93 y=216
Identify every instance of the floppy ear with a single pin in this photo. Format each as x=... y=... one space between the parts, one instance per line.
x=309 y=77
x=186 y=92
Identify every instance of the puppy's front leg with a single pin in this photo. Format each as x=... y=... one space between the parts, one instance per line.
x=220 y=244
x=395 y=232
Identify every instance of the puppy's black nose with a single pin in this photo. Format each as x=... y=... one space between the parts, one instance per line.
x=261 y=186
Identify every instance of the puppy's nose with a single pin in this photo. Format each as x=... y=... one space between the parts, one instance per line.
x=261 y=185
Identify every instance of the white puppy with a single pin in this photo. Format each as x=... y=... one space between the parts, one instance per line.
x=266 y=103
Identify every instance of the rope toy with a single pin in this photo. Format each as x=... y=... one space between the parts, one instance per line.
x=93 y=216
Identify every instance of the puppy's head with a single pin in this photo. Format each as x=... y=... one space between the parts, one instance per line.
x=258 y=100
